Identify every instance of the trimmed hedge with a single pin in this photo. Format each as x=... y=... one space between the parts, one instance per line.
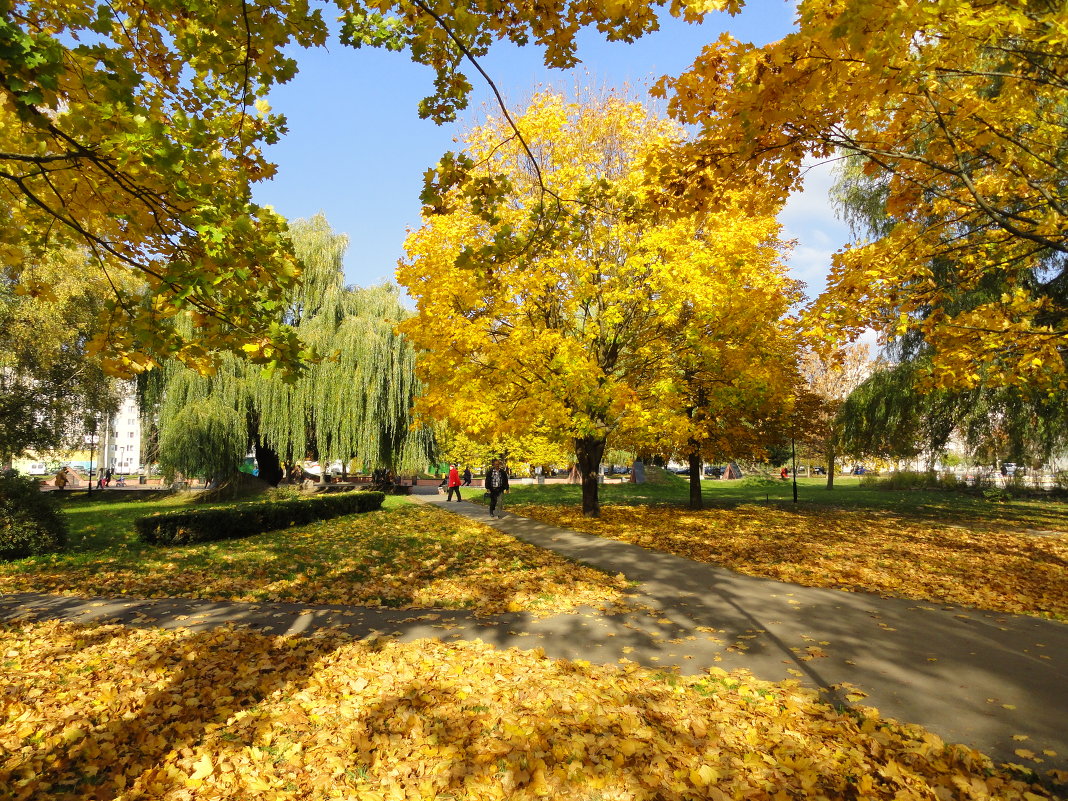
x=30 y=520
x=205 y=525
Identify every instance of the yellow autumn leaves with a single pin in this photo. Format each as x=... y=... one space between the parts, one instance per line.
x=411 y=556
x=990 y=563
x=110 y=712
x=955 y=113
x=578 y=309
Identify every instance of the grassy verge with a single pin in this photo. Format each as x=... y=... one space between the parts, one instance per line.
x=403 y=555
x=111 y=712
x=937 y=546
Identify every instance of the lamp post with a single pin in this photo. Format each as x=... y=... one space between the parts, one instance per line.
x=92 y=448
x=793 y=457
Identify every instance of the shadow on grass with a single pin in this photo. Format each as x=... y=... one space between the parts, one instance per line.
x=945 y=507
x=399 y=556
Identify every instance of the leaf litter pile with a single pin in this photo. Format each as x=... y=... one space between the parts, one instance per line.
x=409 y=556
x=894 y=554
x=91 y=712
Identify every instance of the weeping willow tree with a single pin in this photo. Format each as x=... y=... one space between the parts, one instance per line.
x=892 y=415
x=354 y=403
x=888 y=416
x=207 y=438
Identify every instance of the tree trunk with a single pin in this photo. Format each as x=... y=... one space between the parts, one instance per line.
x=696 y=501
x=269 y=464
x=830 y=468
x=588 y=451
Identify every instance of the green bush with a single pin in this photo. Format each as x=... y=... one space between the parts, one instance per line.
x=911 y=480
x=204 y=525
x=30 y=520
x=761 y=482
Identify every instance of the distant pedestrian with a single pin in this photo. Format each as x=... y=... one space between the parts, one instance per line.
x=454 y=483
x=467 y=477
x=783 y=473
x=61 y=479
x=496 y=485
x=107 y=477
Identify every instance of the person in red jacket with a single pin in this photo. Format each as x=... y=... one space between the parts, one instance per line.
x=454 y=483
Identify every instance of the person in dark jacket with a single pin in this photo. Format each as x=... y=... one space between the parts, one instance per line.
x=467 y=477
x=496 y=484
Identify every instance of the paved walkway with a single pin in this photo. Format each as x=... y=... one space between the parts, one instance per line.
x=974 y=677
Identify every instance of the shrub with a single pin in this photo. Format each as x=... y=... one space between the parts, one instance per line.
x=911 y=480
x=204 y=525
x=1060 y=479
x=30 y=520
x=761 y=482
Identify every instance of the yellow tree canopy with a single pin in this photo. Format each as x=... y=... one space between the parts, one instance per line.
x=577 y=327
x=135 y=129
x=960 y=109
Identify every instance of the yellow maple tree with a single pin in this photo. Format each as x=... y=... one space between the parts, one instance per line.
x=563 y=305
x=958 y=108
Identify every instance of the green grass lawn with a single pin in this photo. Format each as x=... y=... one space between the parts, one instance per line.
x=402 y=555
x=1037 y=514
x=941 y=546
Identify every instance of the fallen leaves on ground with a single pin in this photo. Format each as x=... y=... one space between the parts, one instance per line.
x=403 y=557
x=110 y=712
x=882 y=552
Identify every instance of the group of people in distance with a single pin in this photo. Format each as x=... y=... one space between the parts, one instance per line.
x=496 y=485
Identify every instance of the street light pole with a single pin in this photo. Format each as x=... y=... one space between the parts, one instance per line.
x=793 y=457
x=92 y=448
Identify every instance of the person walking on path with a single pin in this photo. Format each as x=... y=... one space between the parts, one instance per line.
x=496 y=483
x=467 y=477
x=454 y=483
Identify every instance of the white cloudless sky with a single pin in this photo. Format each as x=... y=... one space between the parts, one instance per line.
x=357 y=150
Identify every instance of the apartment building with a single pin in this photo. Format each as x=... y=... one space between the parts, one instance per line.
x=120 y=436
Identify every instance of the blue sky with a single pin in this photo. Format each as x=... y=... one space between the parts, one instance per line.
x=356 y=148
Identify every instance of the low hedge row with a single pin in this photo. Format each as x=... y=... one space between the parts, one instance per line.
x=204 y=525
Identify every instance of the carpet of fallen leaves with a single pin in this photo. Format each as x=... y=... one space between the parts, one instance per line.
x=410 y=556
x=972 y=563
x=117 y=713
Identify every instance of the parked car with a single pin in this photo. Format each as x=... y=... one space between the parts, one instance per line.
x=715 y=471
x=819 y=471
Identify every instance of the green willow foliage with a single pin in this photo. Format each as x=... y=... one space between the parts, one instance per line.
x=353 y=404
x=887 y=416
x=207 y=437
